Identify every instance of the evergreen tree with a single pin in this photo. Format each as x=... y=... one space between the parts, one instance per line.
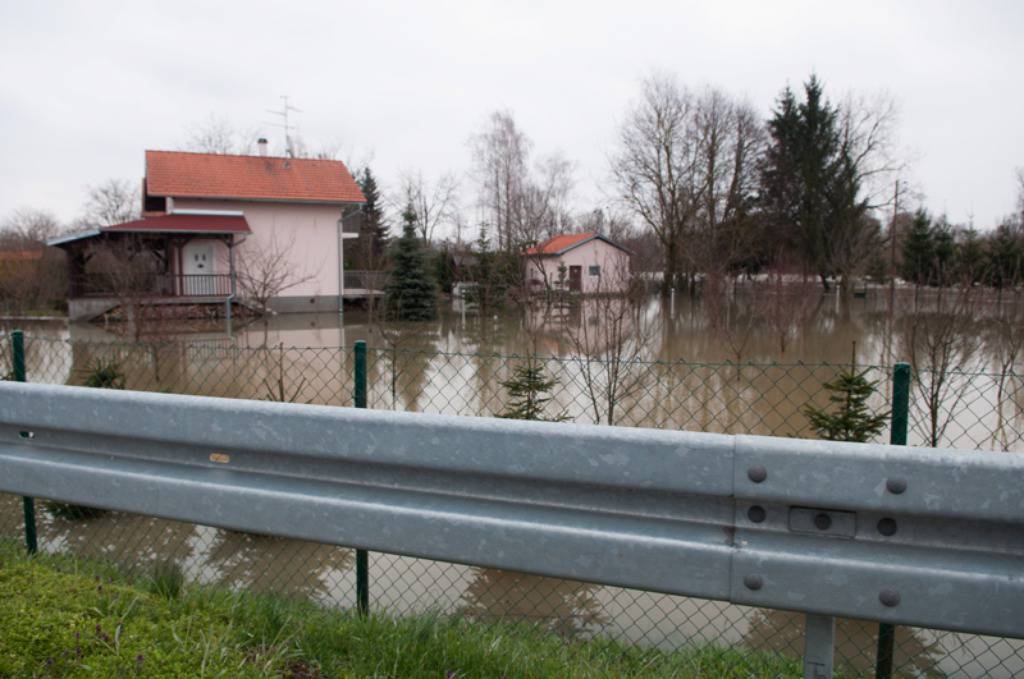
x=801 y=181
x=1005 y=257
x=852 y=419
x=375 y=227
x=411 y=293
x=444 y=269
x=918 y=250
x=810 y=183
x=970 y=257
x=493 y=273
x=527 y=389
x=944 y=248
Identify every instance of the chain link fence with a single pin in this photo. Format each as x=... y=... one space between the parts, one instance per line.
x=982 y=411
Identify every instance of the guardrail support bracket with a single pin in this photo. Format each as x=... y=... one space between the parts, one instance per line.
x=819 y=646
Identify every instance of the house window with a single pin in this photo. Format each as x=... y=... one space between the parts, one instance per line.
x=595 y=270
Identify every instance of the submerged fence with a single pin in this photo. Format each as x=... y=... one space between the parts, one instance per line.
x=984 y=411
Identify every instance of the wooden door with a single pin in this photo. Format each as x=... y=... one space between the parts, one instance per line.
x=575 y=278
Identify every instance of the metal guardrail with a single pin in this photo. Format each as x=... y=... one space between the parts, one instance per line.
x=901 y=535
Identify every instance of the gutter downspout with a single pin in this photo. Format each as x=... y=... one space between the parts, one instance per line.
x=234 y=280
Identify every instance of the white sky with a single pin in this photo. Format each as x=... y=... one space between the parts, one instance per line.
x=85 y=87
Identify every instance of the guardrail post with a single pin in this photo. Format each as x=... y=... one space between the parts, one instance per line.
x=29 y=504
x=897 y=437
x=819 y=645
x=362 y=557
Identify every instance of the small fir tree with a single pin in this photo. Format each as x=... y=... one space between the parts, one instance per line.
x=375 y=228
x=851 y=420
x=918 y=250
x=527 y=389
x=411 y=291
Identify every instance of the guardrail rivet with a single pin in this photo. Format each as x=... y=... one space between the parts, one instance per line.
x=896 y=486
x=889 y=597
x=757 y=474
x=757 y=514
x=887 y=526
x=754 y=582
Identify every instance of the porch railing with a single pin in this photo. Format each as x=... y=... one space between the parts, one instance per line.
x=151 y=285
x=365 y=280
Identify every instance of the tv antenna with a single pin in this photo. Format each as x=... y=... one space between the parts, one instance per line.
x=285 y=124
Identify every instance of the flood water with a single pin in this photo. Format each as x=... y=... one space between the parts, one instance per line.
x=689 y=380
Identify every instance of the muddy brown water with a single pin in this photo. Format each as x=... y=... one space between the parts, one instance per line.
x=207 y=358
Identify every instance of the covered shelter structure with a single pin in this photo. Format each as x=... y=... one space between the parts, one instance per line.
x=172 y=258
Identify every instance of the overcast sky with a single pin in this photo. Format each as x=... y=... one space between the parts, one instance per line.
x=86 y=87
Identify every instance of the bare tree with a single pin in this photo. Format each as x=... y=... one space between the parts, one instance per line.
x=785 y=301
x=942 y=344
x=613 y=335
x=218 y=135
x=500 y=156
x=435 y=203
x=543 y=206
x=654 y=167
x=1007 y=350
x=129 y=272
x=729 y=140
x=729 y=322
x=867 y=125
x=112 y=202
x=29 y=226
x=266 y=269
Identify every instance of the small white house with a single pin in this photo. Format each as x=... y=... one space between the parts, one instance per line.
x=586 y=263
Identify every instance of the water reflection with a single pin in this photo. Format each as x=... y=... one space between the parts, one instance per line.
x=856 y=640
x=566 y=606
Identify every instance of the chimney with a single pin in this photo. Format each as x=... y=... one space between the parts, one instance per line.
x=262 y=144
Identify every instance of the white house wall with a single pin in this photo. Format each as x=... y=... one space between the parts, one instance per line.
x=614 y=265
x=308 y=232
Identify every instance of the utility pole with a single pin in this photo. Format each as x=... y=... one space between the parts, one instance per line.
x=892 y=274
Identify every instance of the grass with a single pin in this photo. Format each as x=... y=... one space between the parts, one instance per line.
x=61 y=617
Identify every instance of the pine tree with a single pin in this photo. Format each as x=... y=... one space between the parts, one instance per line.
x=809 y=181
x=852 y=419
x=527 y=389
x=411 y=293
x=375 y=227
x=1005 y=257
x=918 y=250
x=970 y=257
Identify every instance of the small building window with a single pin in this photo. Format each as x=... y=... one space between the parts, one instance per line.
x=595 y=270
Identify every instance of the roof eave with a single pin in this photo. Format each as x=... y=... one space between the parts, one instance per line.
x=251 y=199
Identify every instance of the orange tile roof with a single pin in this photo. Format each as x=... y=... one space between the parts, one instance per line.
x=559 y=244
x=207 y=175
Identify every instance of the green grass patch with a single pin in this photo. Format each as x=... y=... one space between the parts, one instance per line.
x=60 y=617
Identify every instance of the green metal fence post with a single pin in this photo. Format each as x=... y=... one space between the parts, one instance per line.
x=29 y=504
x=362 y=558
x=897 y=437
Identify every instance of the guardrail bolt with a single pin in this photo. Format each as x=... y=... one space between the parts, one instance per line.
x=753 y=582
x=822 y=521
x=887 y=526
x=889 y=597
x=757 y=474
x=757 y=514
x=896 y=486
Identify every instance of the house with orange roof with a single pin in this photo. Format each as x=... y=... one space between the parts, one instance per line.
x=584 y=263
x=212 y=224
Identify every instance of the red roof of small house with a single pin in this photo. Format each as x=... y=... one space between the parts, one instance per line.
x=177 y=222
x=185 y=223
x=562 y=243
x=183 y=174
